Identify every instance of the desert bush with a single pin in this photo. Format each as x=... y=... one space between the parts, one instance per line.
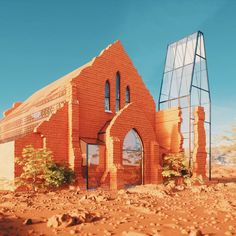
x=193 y=180
x=40 y=171
x=175 y=165
x=57 y=175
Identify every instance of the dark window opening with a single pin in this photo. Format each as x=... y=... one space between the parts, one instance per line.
x=117 y=91
x=107 y=96
x=127 y=95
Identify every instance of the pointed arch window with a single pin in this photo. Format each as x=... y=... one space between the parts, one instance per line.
x=117 y=91
x=132 y=149
x=127 y=95
x=107 y=96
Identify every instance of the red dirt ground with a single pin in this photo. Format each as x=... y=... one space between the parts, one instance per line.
x=142 y=210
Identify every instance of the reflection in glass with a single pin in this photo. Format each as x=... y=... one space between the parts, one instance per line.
x=132 y=149
x=93 y=154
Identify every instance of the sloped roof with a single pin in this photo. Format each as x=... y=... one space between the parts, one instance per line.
x=38 y=107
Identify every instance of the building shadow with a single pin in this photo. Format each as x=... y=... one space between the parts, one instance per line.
x=10 y=226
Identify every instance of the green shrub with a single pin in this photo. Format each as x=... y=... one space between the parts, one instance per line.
x=40 y=171
x=57 y=175
x=175 y=165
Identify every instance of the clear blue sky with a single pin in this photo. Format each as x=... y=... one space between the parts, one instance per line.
x=43 y=40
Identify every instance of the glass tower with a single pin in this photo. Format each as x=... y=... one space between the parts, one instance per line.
x=185 y=84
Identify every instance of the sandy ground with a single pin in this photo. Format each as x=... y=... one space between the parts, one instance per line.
x=224 y=172
x=142 y=210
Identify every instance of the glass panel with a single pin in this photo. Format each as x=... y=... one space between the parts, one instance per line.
x=202 y=48
x=204 y=97
x=107 y=89
x=180 y=52
x=132 y=149
x=207 y=127
x=185 y=121
x=127 y=95
x=197 y=66
x=107 y=104
x=196 y=79
x=192 y=139
x=117 y=92
x=164 y=106
x=107 y=96
x=175 y=84
x=117 y=105
x=132 y=158
x=204 y=80
x=117 y=85
x=186 y=80
x=190 y=50
x=164 y=97
x=203 y=64
x=93 y=154
x=174 y=103
x=184 y=102
x=166 y=84
x=207 y=111
x=170 y=57
x=195 y=97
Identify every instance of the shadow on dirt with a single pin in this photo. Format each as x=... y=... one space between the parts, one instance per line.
x=10 y=226
x=224 y=180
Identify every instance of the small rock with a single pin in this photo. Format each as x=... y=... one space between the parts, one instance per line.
x=184 y=231
x=53 y=222
x=228 y=233
x=30 y=231
x=28 y=222
x=132 y=233
x=231 y=228
x=196 y=232
x=73 y=218
x=73 y=232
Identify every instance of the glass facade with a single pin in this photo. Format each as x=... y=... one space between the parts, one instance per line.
x=185 y=84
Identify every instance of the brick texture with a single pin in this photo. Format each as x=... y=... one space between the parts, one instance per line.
x=168 y=123
x=199 y=152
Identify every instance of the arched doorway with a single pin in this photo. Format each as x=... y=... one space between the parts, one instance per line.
x=132 y=159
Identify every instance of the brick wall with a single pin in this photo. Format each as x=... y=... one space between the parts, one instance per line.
x=131 y=117
x=54 y=131
x=89 y=114
x=168 y=123
x=199 y=152
x=33 y=139
x=91 y=87
x=83 y=115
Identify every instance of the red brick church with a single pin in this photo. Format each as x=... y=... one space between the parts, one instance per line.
x=100 y=119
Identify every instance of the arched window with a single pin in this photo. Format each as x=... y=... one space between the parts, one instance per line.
x=127 y=95
x=107 y=96
x=117 y=91
x=132 y=149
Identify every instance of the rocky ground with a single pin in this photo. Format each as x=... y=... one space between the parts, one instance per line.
x=208 y=209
